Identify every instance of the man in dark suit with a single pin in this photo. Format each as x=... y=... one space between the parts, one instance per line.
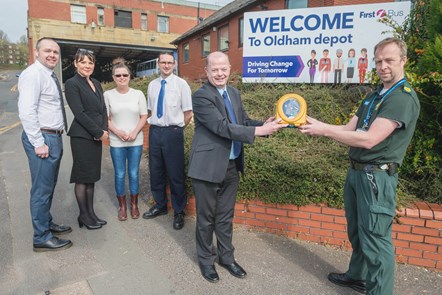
x=221 y=126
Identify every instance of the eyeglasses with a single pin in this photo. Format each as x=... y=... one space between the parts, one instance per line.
x=85 y=51
x=121 y=75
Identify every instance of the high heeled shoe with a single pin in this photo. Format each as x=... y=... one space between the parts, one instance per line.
x=88 y=226
x=101 y=221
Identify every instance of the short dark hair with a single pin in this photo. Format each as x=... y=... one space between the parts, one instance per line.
x=166 y=53
x=37 y=46
x=82 y=53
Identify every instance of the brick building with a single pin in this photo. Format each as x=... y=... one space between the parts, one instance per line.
x=223 y=31
x=137 y=30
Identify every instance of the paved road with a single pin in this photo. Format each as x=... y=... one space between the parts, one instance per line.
x=8 y=98
x=148 y=256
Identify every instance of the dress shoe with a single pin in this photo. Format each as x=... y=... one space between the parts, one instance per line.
x=235 y=270
x=209 y=273
x=343 y=280
x=101 y=221
x=88 y=226
x=59 y=229
x=154 y=212
x=178 y=221
x=53 y=244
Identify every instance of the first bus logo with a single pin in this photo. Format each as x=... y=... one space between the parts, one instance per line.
x=381 y=13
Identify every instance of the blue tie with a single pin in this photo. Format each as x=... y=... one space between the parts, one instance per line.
x=236 y=144
x=161 y=99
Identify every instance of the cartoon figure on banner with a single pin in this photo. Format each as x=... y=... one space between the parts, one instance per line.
x=311 y=64
x=351 y=63
x=324 y=66
x=338 y=67
x=362 y=65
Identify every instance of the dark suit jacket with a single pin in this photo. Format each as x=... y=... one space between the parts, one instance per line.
x=88 y=107
x=214 y=132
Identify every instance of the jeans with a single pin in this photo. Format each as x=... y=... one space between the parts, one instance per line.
x=44 y=175
x=132 y=156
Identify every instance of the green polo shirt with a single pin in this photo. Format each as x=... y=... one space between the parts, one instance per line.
x=400 y=105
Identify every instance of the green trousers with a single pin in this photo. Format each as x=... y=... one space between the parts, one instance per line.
x=370 y=218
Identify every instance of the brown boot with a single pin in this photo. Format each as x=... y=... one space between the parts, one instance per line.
x=134 y=206
x=122 y=210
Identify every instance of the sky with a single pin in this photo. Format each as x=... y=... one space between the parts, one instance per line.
x=13 y=15
x=13 y=22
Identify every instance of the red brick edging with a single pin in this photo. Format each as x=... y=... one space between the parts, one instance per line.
x=417 y=232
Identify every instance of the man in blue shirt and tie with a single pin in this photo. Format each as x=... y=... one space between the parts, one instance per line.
x=221 y=126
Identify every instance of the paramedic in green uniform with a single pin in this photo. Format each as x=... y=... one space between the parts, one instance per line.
x=378 y=136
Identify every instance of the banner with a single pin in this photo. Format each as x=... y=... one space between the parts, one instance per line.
x=331 y=44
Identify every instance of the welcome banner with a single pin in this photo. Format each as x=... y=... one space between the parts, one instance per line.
x=316 y=45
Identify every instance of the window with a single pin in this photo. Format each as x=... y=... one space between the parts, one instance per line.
x=100 y=16
x=291 y=4
x=144 y=21
x=123 y=19
x=223 y=38
x=163 y=24
x=78 y=14
x=186 y=53
x=241 y=32
x=206 y=44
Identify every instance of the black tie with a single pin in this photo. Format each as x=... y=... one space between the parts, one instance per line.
x=61 y=101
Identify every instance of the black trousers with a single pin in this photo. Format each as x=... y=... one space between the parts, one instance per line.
x=215 y=205
x=166 y=161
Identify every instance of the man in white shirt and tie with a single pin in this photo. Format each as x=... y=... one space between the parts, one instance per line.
x=169 y=106
x=41 y=111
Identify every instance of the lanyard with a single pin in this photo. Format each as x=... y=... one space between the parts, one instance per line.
x=368 y=116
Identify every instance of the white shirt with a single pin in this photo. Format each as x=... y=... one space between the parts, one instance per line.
x=125 y=111
x=38 y=102
x=177 y=100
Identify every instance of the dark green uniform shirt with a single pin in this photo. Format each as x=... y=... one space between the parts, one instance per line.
x=400 y=105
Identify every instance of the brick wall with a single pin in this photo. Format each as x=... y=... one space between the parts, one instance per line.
x=417 y=231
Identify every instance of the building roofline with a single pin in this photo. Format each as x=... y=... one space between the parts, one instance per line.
x=230 y=9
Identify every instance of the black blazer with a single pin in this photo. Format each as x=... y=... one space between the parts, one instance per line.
x=214 y=132
x=88 y=107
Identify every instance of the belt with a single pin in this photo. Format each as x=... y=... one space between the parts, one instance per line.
x=390 y=168
x=51 y=131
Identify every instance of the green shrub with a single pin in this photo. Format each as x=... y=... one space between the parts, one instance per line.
x=291 y=168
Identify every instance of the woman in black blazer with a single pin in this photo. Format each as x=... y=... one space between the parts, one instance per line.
x=89 y=127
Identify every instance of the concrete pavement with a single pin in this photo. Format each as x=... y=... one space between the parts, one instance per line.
x=148 y=256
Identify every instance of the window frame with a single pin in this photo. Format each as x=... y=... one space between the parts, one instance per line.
x=144 y=22
x=203 y=39
x=162 y=17
x=301 y=4
x=121 y=23
x=240 y=32
x=186 y=52
x=225 y=41
x=100 y=17
x=78 y=16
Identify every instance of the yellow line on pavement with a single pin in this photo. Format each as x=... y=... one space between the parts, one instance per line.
x=7 y=128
